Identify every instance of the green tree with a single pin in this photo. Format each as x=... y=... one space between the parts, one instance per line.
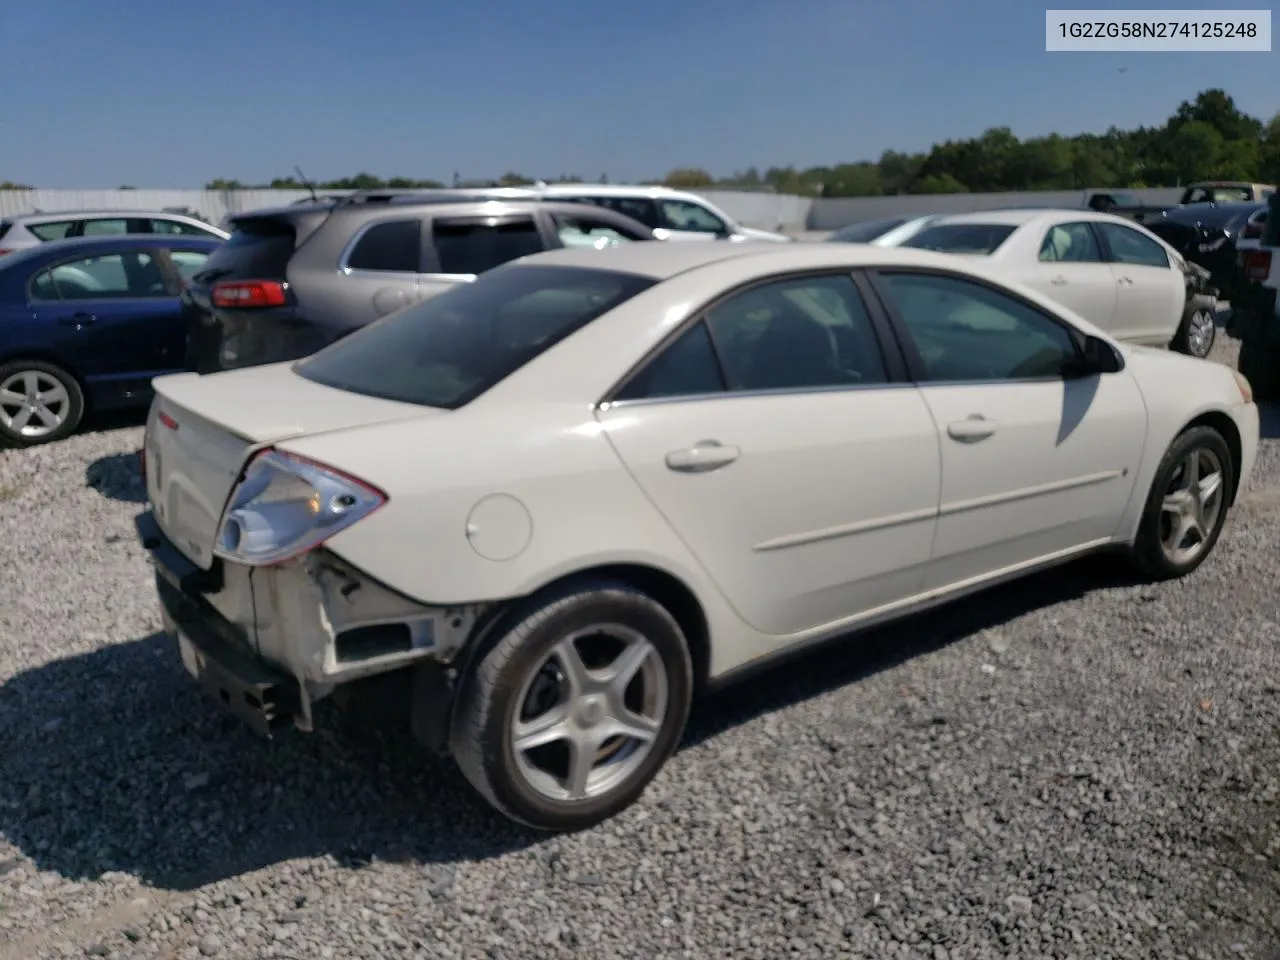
x=221 y=184
x=938 y=183
x=686 y=178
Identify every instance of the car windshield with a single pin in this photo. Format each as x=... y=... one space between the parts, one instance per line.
x=450 y=348
x=866 y=231
x=971 y=238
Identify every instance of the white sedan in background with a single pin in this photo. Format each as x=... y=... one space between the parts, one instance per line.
x=557 y=502
x=1120 y=277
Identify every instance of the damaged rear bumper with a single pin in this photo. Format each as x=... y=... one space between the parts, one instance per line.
x=269 y=642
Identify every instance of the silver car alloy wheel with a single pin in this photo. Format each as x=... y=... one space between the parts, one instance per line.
x=33 y=404
x=1200 y=331
x=1191 y=505
x=589 y=713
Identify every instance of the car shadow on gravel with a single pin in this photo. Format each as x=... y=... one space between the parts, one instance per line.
x=117 y=477
x=112 y=761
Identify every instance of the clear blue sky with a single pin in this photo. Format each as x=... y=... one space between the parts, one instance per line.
x=163 y=94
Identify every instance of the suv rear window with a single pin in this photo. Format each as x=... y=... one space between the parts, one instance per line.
x=258 y=248
x=976 y=238
x=447 y=350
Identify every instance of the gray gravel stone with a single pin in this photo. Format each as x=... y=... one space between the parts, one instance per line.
x=1074 y=766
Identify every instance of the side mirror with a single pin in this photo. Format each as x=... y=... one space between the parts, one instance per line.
x=1096 y=357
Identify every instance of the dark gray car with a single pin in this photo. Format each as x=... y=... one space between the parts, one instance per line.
x=293 y=279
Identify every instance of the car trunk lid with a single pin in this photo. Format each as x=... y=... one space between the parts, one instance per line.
x=202 y=430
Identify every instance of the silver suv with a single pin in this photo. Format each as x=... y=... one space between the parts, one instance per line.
x=293 y=279
x=32 y=229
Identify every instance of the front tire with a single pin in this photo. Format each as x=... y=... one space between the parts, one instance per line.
x=39 y=403
x=570 y=714
x=1197 y=333
x=1187 y=505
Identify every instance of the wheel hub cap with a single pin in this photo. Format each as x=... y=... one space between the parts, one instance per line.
x=33 y=403
x=1191 y=506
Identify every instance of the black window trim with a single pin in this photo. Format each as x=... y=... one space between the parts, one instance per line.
x=1110 y=253
x=915 y=363
x=891 y=354
x=1092 y=226
x=431 y=258
x=350 y=248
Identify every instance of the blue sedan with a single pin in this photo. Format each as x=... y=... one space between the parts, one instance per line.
x=85 y=324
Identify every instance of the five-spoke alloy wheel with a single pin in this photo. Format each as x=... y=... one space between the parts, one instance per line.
x=39 y=403
x=1187 y=504
x=575 y=706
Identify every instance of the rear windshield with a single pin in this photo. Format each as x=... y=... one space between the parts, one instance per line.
x=257 y=249
x=450 y=348
x=973 y=238
x=866 y=231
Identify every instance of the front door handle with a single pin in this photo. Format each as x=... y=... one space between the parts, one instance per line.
x=1058 y=281
x=1124 y=280
x=79 y=320
x=973 y=429
x=702 y=457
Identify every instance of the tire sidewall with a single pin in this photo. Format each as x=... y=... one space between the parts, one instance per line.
x=1213 y=333
x=1149 y=544
x=74 y=393
x=627 y=608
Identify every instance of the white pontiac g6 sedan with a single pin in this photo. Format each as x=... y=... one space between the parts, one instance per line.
x=1118 y=276
x=550 y=506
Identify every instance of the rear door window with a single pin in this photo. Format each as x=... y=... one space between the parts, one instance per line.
x=972 y=238
x=469 y=246
x=637 y=208
x=588 y=230
x=180 y=229
x=52 y=230
x=106 y=228
x=394 y=246
x=689 y=217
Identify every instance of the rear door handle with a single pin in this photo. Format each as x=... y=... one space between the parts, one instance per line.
x=973 y=429
x=1124 y=280
x=703 y=457
x=1058 y=281
x=78 y=320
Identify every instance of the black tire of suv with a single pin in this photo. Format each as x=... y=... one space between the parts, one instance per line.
x=1259 y=362
x=487 y=703
x=1147 y=551
x=75 y=403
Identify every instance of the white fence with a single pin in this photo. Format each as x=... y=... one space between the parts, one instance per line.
x=768 y=211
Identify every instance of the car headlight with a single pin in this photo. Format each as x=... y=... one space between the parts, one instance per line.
x=285 y=505
x=1246 y=391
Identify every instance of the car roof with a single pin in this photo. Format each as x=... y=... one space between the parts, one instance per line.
x=498 y=201
x=661 y=260
x=127 y=241
x=94 y=214
x=1020 y=218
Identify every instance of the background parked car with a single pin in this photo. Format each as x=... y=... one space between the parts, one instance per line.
x=1209 y=191
x=1207 y=234
x=85 y=324
x=33 y=229
x=885 y=232
x=292 y=279
x=1107 y=269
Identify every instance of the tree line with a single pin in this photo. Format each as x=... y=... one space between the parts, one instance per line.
x=1208 y=138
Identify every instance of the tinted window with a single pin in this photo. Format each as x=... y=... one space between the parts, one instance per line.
x=104 y=228
x=866 y=231
x=806 y=332
x=259 y=248
x=691 y=217
x=395 y=247
x=1070 y=243
x=637 y=208
x=188 y=262
x=966 y=331
x=975 y=238
x=450 y=348
x=468 y=248
x=586 y=231
x=51 y=231
x=1130 y=246
x=686 y=368
x=115 y=275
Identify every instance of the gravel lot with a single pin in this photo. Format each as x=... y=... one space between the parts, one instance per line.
x=1073 y=767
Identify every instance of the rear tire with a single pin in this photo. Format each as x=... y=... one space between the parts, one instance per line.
x=570 y=714
x=1185 y=499
x=1259 y=361
x=39 y=403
